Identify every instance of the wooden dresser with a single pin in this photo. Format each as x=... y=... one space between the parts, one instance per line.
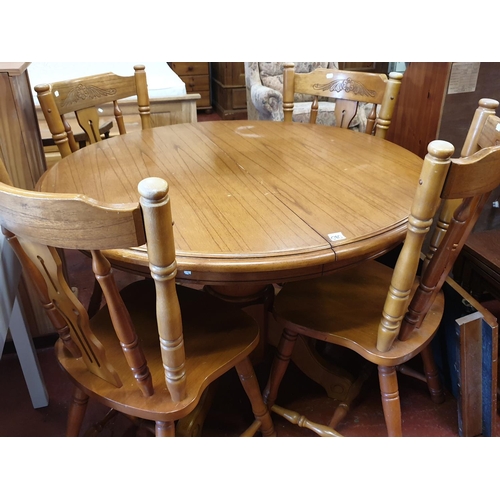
x=228 y=90
x=196 y=76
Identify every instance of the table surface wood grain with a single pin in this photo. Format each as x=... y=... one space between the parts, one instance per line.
x=255 y=201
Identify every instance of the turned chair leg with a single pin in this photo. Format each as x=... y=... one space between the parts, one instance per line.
x=390 y=400
x=164 y=429
x=279 y=366
x=76 y=412
x=344 y=406
x=432 y=376
x=251 y=386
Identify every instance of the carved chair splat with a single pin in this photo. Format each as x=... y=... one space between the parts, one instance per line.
x=349 y=88
x=154 y=348
x=83 y=96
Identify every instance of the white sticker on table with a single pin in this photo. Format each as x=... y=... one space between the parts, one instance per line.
x=336 y=236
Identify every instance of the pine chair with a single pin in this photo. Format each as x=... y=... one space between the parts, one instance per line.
x=153 y=348
x=349 y=88
x=389 y=316
x=83 y=97
x=12 y=317
x=484 y=131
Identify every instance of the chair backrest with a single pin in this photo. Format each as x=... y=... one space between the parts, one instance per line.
x=484 y=131
x=83 y=96
x=349 y=88
x=35 y=224
x=470 y=179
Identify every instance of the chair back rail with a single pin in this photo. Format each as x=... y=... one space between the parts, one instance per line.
x=36 y=223
x=484 y=131
x=349 y=88
x=470 y=179
x=83 y=96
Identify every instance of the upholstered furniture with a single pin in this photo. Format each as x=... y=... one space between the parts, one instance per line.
x=264 y=84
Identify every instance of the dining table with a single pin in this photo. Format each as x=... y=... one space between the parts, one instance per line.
x=255 y=203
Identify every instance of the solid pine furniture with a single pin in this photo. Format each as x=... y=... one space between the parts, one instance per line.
x=256 y=203
x=229 y=90
x=82 y=97
x=426 y=110
x=386 y=316
x=13 y=318
x=77 y=102
x=478 y=267
x=20 y=144
x=154 y=348
x=349 y=88
x=484 y=131
x=196 y=76
x=22 y=152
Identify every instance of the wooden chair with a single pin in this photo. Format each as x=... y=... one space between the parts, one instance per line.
x=12 y=318
x=389 y=316
x=349 y=88
x=83 y=96
x=484 y=131
x=153 y=348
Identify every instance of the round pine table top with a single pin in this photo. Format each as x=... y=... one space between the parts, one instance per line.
x=255 y=201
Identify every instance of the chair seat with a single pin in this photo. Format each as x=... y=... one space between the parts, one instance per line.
x=216 y=335
x=351 y=301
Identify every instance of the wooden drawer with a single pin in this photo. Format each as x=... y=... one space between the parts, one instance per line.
x=205 y=99
x=190 y=68
x=196 y=83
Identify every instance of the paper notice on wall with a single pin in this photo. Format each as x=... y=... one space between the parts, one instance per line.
x=463 y=77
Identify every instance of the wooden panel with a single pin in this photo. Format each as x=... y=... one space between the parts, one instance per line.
x=373 y=67
x=239 y=99
x=229 y=74
x=229 y=91
x=22 y=152
x=426 y=111
x=417 y=114
x=459 y=108
x=466 y=350
x=470 y=398
x=20 y=142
